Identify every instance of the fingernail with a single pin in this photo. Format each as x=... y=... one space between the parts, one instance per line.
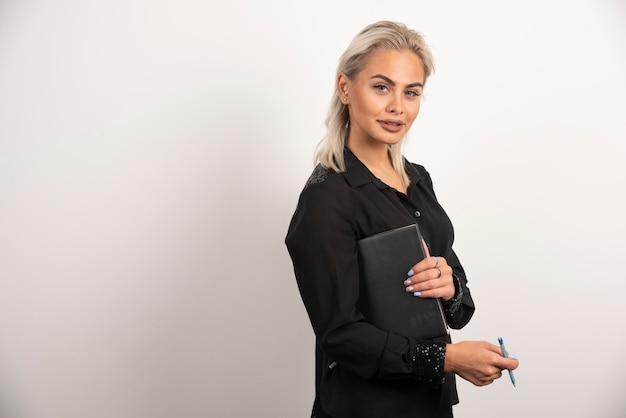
x=407 y=282
x=513 y=356
x=418 y=294
x=409 y=289
x=410 y=273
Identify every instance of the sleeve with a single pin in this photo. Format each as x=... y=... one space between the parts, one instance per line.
x=321 y=241
x=460 y=309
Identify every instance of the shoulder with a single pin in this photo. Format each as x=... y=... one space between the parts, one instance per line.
x=324 y=180
x=420 y=169
x=324 y=189
x=324 y=205
x=319 y=175
x=418 y=174
x=416 y=171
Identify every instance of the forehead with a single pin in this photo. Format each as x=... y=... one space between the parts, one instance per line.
x=401 y=66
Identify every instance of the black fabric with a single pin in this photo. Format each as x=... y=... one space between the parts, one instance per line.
x=363 y=371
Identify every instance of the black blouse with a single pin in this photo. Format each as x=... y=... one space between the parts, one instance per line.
x=363 y=371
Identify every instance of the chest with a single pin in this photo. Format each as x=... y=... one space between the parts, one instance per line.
x=378 y=209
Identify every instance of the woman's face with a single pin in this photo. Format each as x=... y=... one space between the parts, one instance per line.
x=384 y=98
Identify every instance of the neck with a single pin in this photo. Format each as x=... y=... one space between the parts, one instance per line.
x=378 y=161
x=373 y=157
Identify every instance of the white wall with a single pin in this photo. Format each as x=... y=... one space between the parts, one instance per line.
x=151 y=155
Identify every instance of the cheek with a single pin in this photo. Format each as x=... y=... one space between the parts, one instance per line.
x=360 y=107
x=414 y=111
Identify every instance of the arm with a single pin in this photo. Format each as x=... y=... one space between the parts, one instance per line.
x=322 y=244
x=476 y=361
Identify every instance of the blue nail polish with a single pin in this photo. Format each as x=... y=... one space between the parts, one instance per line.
x=418 y=294
x=512 y=356
x=410 y=273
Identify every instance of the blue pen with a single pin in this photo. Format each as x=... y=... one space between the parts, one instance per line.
x=506 y=355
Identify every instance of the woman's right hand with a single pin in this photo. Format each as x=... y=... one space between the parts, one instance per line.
x=478 y=362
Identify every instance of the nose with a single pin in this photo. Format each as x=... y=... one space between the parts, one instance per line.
x=395 y=104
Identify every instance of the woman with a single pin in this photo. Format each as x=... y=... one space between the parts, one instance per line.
x=362 y=186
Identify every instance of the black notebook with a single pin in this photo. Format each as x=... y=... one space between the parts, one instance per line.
x=384 y=261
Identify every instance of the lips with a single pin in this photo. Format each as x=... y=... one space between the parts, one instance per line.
x=391 y=125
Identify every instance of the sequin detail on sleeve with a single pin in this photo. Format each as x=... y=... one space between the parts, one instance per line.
x=427 y=361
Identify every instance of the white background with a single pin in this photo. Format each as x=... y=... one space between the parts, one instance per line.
x=152 y=153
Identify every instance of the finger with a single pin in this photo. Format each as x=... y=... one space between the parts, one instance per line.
x=432 y=283
x=426 y=290
x=494 y=348
x=425 y=248
x=420 y=266
x=440 y=262
x=510 y=364
x=428 y=294
x=506 y=363
x=430 y=263
x=420 y=284
x=422 y=272
x=489 y=381
x=431 y=278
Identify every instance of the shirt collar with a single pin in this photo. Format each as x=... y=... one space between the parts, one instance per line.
x=357 y=174
x=412 y=172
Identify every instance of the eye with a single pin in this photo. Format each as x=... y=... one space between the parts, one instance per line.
x=413 y=93
x=381 y=87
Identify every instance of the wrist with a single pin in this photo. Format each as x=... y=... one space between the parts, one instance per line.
x=449 y=362
x=452 y=305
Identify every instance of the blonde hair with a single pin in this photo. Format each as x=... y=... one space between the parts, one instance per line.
x=379 y=35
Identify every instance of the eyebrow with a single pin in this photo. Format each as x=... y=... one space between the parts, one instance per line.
x=390 y=81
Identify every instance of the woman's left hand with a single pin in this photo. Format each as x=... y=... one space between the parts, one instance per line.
x=431 y=277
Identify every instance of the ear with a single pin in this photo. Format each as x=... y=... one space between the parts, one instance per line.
x=343 y=88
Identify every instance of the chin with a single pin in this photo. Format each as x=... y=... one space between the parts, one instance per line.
x=392 y=141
